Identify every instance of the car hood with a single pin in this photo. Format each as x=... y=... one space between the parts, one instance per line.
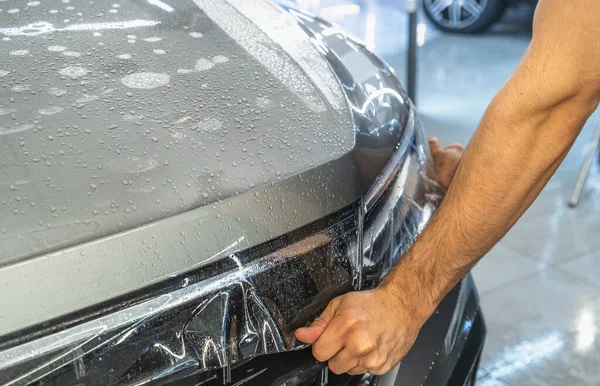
x=113 y=116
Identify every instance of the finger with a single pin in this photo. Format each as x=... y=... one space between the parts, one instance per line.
x=343 y=362
x=341 y=336
x=457 y=146
x=331 y=341
x=434 y=145
x=380 y=367
x=373 y=363
x=311 y=333
x=380 y=370
x=357 y=370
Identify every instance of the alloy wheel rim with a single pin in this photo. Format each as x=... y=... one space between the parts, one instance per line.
x=456 y=14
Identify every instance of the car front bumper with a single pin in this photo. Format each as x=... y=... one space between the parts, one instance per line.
x=446 y=352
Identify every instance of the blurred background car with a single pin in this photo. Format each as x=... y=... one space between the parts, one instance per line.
x=467 y=16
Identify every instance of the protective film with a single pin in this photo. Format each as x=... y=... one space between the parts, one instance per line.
x=246 y=305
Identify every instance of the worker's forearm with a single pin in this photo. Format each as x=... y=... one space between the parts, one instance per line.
x=523 y=137
x=514 y=152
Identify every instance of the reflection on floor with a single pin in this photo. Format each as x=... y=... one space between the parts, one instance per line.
x=540 y=287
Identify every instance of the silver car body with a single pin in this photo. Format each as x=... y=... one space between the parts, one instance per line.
x=148 y=142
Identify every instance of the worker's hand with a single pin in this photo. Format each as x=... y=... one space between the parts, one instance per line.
x=363 y=332
x=445 y=160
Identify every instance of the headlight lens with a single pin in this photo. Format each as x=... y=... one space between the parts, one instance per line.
x=397 y=207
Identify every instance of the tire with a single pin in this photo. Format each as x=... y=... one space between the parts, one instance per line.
x=464 y=16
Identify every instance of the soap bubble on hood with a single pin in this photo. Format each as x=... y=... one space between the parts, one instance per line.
x=74 y=72
x=146 y=80
x=57 y=48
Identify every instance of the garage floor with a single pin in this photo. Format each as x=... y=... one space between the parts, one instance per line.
x=540 y=286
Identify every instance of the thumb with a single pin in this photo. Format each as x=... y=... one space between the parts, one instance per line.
x=311 y=333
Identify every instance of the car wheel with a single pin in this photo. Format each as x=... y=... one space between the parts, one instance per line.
x=464 y=16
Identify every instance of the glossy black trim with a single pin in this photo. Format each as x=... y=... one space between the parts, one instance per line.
x=465 y=371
